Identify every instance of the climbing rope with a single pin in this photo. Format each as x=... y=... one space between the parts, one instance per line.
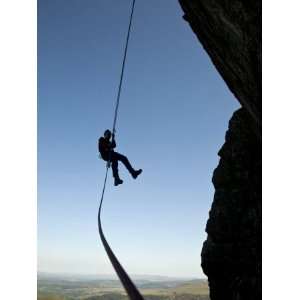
x=123 y=68
x=127 y=283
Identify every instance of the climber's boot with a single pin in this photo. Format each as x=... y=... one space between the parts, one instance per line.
x=136 y=173
x=118 y=181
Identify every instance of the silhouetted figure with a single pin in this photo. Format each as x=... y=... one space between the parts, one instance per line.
x=105 y=147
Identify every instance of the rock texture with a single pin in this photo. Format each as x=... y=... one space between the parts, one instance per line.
x=231 y=255
x=230 y=32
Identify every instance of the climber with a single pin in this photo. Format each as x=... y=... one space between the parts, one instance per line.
x=105 y=147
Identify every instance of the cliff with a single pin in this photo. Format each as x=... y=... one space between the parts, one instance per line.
x=230 y=32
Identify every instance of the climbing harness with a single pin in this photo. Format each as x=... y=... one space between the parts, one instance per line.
x=127 y=283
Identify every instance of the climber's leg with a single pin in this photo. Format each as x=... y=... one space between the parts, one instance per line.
x=125 y=161
x=114 y=167
x=127 y=164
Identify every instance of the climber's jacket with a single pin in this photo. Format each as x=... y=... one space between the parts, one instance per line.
x=104 y=146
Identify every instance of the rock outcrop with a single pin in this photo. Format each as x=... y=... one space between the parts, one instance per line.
x=230 y=32
x=231 y=255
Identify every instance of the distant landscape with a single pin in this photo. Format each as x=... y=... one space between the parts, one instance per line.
x=67 y=287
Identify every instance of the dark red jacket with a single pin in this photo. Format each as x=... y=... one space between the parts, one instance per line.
x=104 y=146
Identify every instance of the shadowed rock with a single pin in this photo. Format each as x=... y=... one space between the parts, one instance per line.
x=230 y=32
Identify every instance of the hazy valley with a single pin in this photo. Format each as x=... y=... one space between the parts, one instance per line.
x=58 y=287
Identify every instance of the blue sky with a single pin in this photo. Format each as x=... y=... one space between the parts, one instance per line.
x=173 y=115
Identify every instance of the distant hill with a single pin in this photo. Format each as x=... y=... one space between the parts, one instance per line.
x=69 y=276
x=70 y=287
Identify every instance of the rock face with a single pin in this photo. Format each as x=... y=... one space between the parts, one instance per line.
x=230 y=32
x=231 y=255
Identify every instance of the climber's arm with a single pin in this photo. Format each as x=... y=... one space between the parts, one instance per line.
x=113 y=142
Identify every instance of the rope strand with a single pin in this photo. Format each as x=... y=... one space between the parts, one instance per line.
x=123 y=68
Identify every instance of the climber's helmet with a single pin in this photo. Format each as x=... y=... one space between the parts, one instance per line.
x=107 y=134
